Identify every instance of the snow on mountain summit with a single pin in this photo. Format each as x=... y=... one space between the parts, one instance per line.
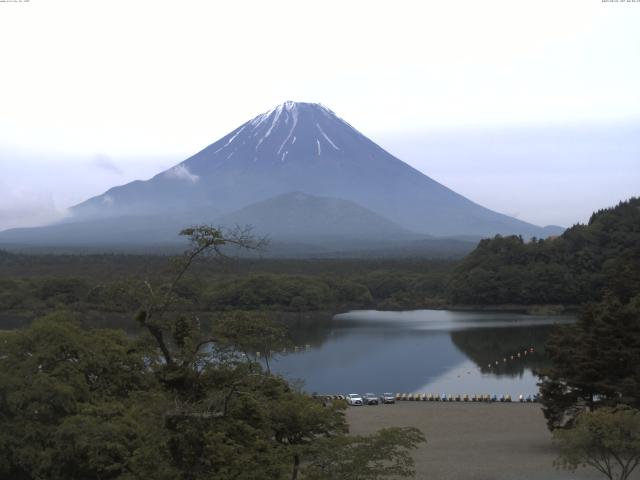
x=292 y=131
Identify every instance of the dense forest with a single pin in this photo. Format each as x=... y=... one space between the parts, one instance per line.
x=575 y=267
x=34 y=285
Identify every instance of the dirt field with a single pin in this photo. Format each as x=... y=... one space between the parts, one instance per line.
x=473 y=441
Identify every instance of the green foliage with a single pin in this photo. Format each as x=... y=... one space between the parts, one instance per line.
x=595 y=361
x=607 y=439
x=385 y=454
x=70 y=404
x=100 y=283
x=261 y=291
x=178 y=403
x=252 y=334
x=574 y=268
x=92 y=404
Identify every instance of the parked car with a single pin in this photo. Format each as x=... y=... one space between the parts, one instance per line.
x=371 y=399
x=388 y=398
x=354 y=399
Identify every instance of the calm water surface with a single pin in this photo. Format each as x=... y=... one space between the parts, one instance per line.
x=429 y=351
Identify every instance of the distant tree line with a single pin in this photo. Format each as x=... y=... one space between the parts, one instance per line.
x=371 y=285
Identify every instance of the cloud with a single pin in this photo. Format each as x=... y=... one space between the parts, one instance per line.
x=27 y=207
x=105 y=162
x=181 y=172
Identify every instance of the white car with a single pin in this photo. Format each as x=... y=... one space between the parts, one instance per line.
x=354 y=399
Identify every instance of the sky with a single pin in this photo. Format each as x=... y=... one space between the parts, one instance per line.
x=531 y=108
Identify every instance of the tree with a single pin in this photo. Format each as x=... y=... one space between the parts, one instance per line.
x=252 y=334
x=156 y=302
x=384 y=454
x=180 y=402
x=594 y=362
x=78 y=404
x=607 y=439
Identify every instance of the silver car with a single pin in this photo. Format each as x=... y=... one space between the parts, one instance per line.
x=388 y=398
x=371 y=399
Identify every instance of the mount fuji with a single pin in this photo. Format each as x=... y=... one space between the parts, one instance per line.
x=344 y=184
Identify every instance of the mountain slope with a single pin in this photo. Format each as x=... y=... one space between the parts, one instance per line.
x=306 y=148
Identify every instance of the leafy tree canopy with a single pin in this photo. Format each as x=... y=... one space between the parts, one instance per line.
x=178 y=403
x=607 y=440
x=576 y=267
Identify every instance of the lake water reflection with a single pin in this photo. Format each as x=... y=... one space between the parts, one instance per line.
x=429 y=351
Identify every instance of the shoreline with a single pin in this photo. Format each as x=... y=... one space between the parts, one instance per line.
x=534 y=309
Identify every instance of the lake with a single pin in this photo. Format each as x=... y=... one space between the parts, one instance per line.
x=420 y=351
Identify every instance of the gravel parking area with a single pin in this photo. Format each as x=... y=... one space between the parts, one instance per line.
x=473 y=441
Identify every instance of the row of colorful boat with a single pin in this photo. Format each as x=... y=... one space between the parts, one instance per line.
x=430 y=397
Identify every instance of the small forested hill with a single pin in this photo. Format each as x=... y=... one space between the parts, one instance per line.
x=576 y=267
x=297 y=215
